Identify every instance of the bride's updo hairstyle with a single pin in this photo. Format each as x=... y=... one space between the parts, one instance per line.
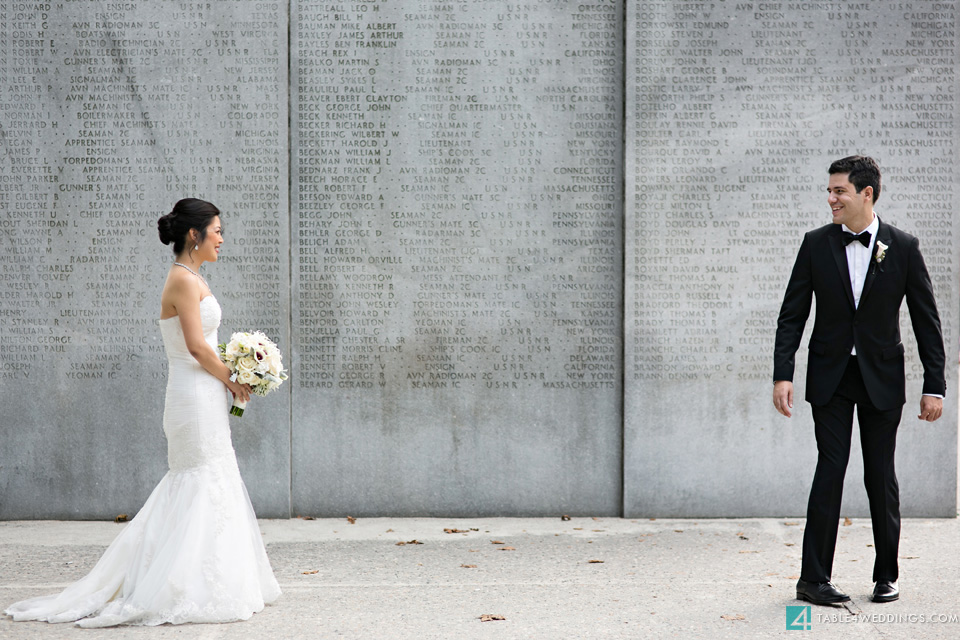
x=189 y=213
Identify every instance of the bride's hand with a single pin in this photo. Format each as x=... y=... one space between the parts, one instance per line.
x=241 y=392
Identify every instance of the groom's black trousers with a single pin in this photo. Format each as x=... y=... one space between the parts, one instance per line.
x=878 y=440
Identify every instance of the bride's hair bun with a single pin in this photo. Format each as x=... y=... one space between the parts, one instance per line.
x=165 y=225
x=187 y=214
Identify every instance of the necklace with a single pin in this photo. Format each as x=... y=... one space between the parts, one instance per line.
x=180 y=264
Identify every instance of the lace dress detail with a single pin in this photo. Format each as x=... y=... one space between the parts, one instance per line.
x=194 y=551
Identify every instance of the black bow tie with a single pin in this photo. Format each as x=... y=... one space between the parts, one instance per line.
x=863 y=238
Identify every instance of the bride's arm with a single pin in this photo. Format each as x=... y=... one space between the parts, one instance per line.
x=185 y=294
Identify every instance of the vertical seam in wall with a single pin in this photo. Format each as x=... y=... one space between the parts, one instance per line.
x=623 y=268
x=290 y=165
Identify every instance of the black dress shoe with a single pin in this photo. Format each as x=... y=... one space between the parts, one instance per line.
x=820 y=593
x=886 y=591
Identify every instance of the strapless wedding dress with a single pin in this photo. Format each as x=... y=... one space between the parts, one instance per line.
x=194 y=552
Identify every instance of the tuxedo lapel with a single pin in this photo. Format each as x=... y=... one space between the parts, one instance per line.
x=840 y=256
x=872 y=271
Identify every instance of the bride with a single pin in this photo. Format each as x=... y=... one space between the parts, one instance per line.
x=194 y=551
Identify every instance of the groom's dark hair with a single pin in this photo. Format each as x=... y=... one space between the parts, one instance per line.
x=864 y=172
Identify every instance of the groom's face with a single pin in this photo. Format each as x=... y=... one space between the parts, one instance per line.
x=846 y=205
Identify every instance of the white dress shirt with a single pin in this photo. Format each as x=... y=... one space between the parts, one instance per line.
x=858 y=261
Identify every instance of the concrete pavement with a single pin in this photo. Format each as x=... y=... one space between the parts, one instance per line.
x=583 y=578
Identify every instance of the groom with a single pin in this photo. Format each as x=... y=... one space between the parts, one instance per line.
x=860 y=270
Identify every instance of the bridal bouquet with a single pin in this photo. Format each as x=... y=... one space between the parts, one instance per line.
x=254 y=359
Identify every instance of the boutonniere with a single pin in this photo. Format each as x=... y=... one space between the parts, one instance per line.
x=880 y=255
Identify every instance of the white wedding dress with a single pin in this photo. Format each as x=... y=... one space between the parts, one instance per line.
x=194 y=551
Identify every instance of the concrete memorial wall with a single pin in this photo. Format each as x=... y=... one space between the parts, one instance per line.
x=734 y=112
x=456 y=257
x=514 y=267
x=454 y=234
x=109 y=113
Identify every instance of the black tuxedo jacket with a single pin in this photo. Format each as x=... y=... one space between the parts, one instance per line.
x=874 y=327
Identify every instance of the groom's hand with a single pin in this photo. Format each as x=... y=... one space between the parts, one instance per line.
x=931 y=408
x=783 y=396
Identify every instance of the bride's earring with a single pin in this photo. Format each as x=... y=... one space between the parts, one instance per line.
x=196 y=247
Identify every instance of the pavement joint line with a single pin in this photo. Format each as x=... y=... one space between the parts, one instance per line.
x=441 y=585
x=445 y=585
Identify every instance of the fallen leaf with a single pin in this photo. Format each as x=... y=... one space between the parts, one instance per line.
x=565 y=518
x=507 y=549
x=121 y=518
x=793 y=577
x=678 y=530
x=305 y=517
x=847 y=522
x=389 y=531
x=594 y=561
x=910 y=557
x=578 y=528
x=595 y=519
x=869 y=545
x=733 y=617
x=468 y=566
x=455 y=531
x=743 y=537
x=351 y=520
x=497 y=542
x=400 y=544
x=789 y=544
x=474 y=529
x=791 y=524
x=487 y=617
x=653 y=519
x=310 y=573
x=473 y=550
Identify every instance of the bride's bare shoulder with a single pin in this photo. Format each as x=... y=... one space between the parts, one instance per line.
x=180 y=290
x=178 y=283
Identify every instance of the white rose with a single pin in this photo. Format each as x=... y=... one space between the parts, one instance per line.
x=232 y=351
x=245 y=367
x=247 y=377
